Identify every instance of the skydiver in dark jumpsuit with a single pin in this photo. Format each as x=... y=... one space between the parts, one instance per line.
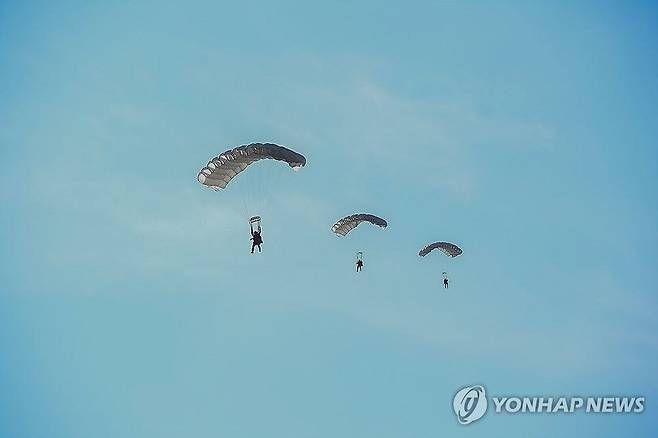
x=256 y=237
x=359 y=265
x=256 y=240
x=445 y=282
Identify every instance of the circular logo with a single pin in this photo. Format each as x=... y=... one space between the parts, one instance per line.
x=470 y=404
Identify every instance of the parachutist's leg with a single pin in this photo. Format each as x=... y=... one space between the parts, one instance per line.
x=252 y=247
x=259 y=250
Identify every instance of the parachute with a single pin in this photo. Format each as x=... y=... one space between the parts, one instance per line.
x=347 y=224
x=222 y=169
x=449 y=249
x=255 y=224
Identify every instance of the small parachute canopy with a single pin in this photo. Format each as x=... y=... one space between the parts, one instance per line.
x=254 y=224
x=449 y=249
x=347 y=224
x=221 y=169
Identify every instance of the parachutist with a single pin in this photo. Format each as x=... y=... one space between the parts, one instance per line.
x=256 y=237
x=447 y=248
x=256 y=240
x=359 y=265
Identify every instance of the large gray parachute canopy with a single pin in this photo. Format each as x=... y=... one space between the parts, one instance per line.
x=449 y=249
x=347 y=224
x=221 y=169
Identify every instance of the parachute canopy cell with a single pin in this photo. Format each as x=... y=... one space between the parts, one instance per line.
x=347 y=224
x=221 y=169
x=449 y=249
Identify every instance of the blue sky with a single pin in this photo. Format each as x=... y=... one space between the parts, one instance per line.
x=129 y=305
